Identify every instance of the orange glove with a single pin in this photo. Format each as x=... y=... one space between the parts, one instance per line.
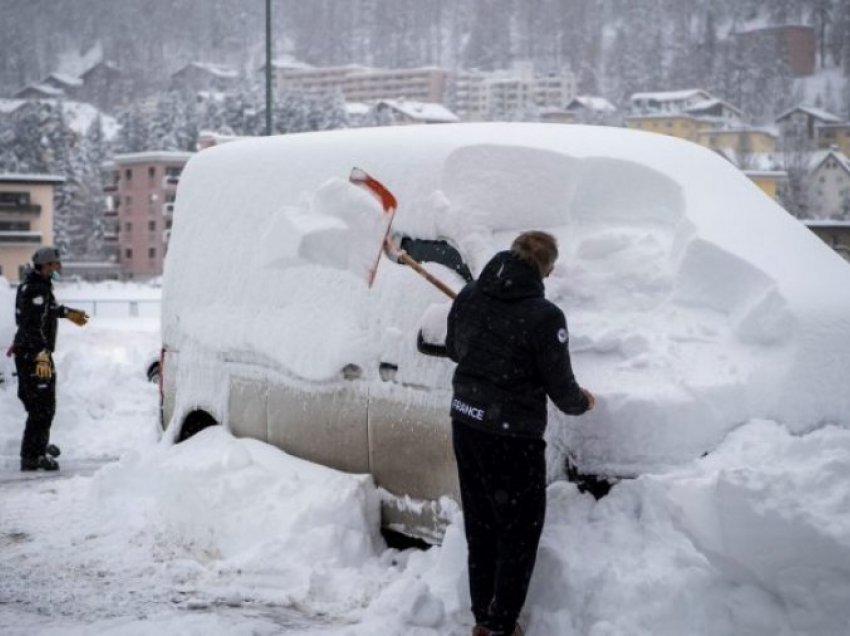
x=43 y=366
x=79 y=318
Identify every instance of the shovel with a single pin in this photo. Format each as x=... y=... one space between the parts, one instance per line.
x=394 y=252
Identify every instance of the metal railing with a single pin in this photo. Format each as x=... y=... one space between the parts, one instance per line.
x=116 y=307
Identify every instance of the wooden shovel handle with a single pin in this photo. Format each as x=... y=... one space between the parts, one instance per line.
x=403 y=257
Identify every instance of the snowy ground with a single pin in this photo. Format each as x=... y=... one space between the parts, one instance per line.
x=227 y=536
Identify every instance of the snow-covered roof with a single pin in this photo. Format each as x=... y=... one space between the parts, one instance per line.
x=153 y=155
x=357 y=108
x=44 y=89
x=102 y=64
x=711 y=103
x=67 y=80
x=10 y=105
x=828 y=125
x=670 y=96
x=753 y=162
x=421 y=111
x=733 y=130
x=819 y=156
x=817 y=113
x=22 y=177
x=219 y=70
x=825 y=223
x=591 y=102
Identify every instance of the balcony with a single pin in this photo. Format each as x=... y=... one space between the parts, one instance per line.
x=167 y=209
x=19 y=238
x=112 y=187
x=13 y=208
x=110 y=214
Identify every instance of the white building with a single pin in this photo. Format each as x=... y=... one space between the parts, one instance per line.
x=478 y=95
x=829 y=185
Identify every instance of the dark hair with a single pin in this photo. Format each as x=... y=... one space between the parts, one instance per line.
x=538 y=249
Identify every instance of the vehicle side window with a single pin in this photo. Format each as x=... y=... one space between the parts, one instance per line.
x=436 y=251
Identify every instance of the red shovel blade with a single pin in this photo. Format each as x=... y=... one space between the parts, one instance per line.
x=388 y=202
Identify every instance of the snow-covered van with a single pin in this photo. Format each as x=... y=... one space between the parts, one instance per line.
x=695 y=303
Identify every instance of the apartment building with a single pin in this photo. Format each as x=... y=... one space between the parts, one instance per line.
x=140 y=192
x=362 y=83
x=477 y=95
x=26 y=219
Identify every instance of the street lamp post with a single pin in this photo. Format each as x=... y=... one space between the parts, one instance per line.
x=268 y=67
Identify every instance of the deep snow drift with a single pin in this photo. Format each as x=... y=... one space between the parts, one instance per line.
x=220 y=536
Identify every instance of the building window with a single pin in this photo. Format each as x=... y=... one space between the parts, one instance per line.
x=14 y=226
x=14 y=199
x=128 y=174
x=128 y=254
x=152 y=225
x=128 y=200
x=152 y=173
x=151 y=252
x=128 y=226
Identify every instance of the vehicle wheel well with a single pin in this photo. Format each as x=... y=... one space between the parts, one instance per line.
x=153 y=371
x=194 y=423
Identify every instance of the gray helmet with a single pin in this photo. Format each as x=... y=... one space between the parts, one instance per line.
x=45 y=255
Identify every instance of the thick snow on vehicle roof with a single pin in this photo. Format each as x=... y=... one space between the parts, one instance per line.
x=695 y=303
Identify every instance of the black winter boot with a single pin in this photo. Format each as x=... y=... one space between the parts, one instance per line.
x=39 y=463
x=53 y=450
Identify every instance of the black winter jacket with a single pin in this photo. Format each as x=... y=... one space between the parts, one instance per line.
x=36 y=314
x=510 y=345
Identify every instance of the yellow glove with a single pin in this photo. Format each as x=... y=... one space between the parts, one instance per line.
x=79 y=318
x=43 y=368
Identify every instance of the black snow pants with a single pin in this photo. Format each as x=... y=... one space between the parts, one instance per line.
x=503 y=492
x=39 y=398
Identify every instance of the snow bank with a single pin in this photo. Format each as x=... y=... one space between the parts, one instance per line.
x=230 y=536
x=695 y=303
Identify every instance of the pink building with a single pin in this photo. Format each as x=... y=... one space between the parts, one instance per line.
x=141 y=190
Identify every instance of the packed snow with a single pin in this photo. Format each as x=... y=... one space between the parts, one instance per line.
x=220 y=535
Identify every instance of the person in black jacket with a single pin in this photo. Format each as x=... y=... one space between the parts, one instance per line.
x=36 y=314
x=511 y=349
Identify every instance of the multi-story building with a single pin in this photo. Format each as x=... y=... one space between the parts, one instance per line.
x=829 y=185
x=362 y=83
x=26 y=219
x=740 y=140
x=801 y=124
x=477 y=95
x=141 y=190
x=679 y=125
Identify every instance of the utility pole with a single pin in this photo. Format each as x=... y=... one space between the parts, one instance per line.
x=269 y=127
